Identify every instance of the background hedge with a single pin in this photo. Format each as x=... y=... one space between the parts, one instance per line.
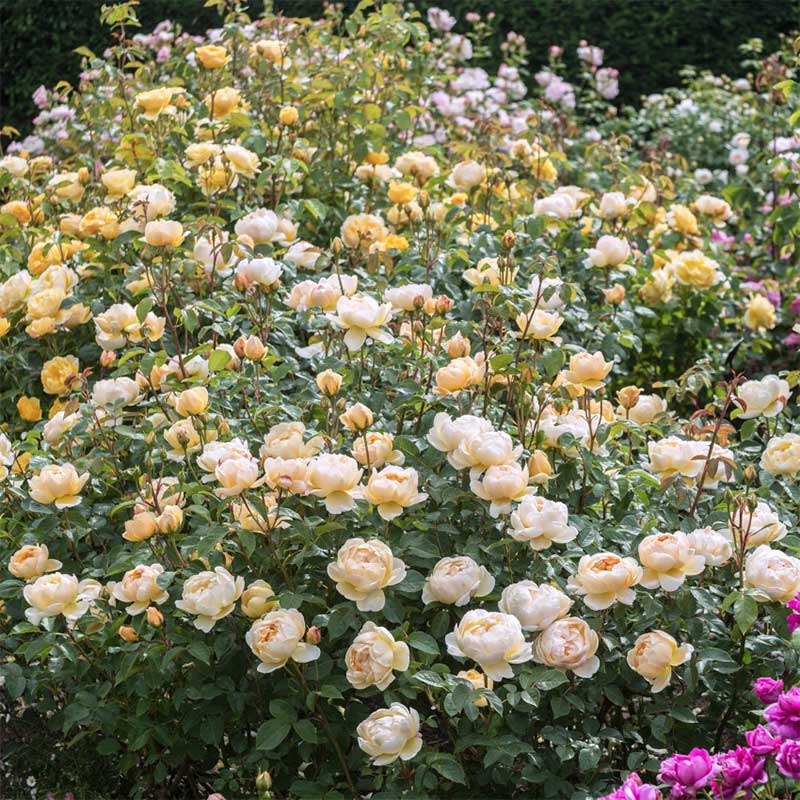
x=647 y=40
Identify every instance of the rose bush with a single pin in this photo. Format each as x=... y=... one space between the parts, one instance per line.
x=372 y=428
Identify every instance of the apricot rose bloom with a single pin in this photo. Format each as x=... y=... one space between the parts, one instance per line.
x=373 y=657
x=363 y=569
x=568 y=644
x=210 y=596
x=361 y=317
x=392 y=490
x=455 y=581
x=59 y=485
x=653 y=656
x=361 y=231
x=335 y=479
x=492 y=639
x=536 y=606
x=588 y=370
x=668 y=558
x=57 y=593
x=31 y=561
x=59 y=375
x=139 y=587
x=604 y=579
x=390 y=733
x=277 y=638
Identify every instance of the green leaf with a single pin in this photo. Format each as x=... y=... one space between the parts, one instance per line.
x=201 y=651
x=448 y=767
x=745 y=612
x=306 y=730
x=272 y=733
x=424 y=642
x=429 y=677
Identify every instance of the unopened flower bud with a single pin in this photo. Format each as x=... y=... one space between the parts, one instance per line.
x=288 y=115
x=128 y=634
x=458 y=346
x=357 y=418
x=108 y=357
x=313 y=635
x=170 y=520
x=615 y=295
x=154 y=617
x=628 y=396
x=329 y=382
x=254 y=348
x=443 y=304
x=509 y=239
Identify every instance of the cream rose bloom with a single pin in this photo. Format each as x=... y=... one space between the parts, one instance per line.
x=501 y=485
x=673 y=456
x=604 y=579
x=588 y=370
x=467 y=175
x=647 y=408
x=361 y=231
x=408 y=297
x=31 y=561
x=447 y=433
x=286 y=440
x=139 y=587
x=653 y=656
x=266 y=272
x=766 y=397
x=759 y=526
x=459 y=374
x=373 y=656
x=392 y=490
x=667 y=559
x=210 y=596
x=715 y=549
x=610 y=251
x=57 y=593
x=150 y=202
x=539 y=325
x=362 y=318
x=335 y=478
x=417 y=164
x=560 y=205
x=377 y=450
x=363 y=569
x=277 y=638
x=257 y=599
x=58 y=485
x=484 y=450
x=260 y=225
x=774 y=575
x=541 y=522
x=236 y=475
x=115 y=392
x=286 y=475
x=455 y=581
x=782 y=455
x=389 y=734
x=568 y=644
x=216 y=452
x=613 y=205
x=492 y=639
x=536 y=606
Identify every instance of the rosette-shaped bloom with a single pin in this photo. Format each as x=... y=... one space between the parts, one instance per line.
x=408 y=297
x=568 y=644
x=653 y=656
x=692 y=268
x=362 y=317
x=459 y=374
x=741 y=770
x=492 y=639
x=782 y=455
x=783 y=716
x=483 y=450
x=373 y=656
x=335 y=478
x=59 y=375
x=57 y=593
x=541 y=522
x=667 y=559
x=501 y=485
x=774 y=575
x=687 y=775
x=139 y=587
x=285 y=440
x=604 y=579
x=588 y=370
x=278 y=637
x=674 y=456
x=389 y=734
x=447 y=433
x=766 y=397
x=455 y=581
x=392 y=490
x=467 y=175
x=286 y=475
x=377 y=450
x=236 y=475
x=363 y=569
x=536 y=606
x=265 y=272
x=58 y=484
x=715 y=549
x=646 y=409
x=361 y=231
x=759 y=526
x=540 y=325
x=31 y=561
x=210 y=596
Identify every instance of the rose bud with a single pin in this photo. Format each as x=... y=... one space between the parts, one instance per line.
x=128 y=634
x=329 y=382
x=107 y=358
x=357 y=418
x=313 y=635
x=628 y=396
x=154 y=617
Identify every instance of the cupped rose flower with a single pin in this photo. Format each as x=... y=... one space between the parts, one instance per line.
x=265 y=272
x=57 y=593
x=335 y=479
x=277 y=638
x=536 y=606
x=139 y=587
x=210 y=596
x=667 y=559
x=459 y=374
x=783 y=716
x=646 y=409
x=215 y=452
x=687 y=775
x=604 y=579
x=373 y=656
x=115 y=392
x=788 y=759
x=467 y=175
x=766 y=397
x=59 y=485
x=541 y=522
x=762 y=742
x=377 y=449
x=492 y=639
x=236 y=475
x=568 y=644
x=163 y=233
x=408 y=297
x=257 y=599
x=446 y=433
x=361 y=231
x=484 y=450
x=59 y=375
x=357 y=418
x=141 y=527
x=774 y=575
x=362 y=318
x=759 y=526
x=286 y=475
x=715 y=549
x=539 y=325
x=613 y=205
x=455 y=581
x=782 y=455
x=501 y=485
x=363 y=569
x=392 y=490
x=31 y=561
x=588 y=370
x=673 y=456
x=653 y=656
x=740 y=770
x=610 y=251
x=151 y=201
x=260 y=226
x=767 y=690
x=692 y=268
x=286 y=440
x=390 y=733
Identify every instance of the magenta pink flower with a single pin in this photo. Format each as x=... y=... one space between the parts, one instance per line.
x=741 y=770
x=634 y=789
x=762 y=742
x=767 y=690
x=687 y=774
x=793 y=620
x=783 y=715
x=788 y=759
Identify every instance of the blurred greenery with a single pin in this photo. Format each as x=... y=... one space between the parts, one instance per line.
x=647 y=40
